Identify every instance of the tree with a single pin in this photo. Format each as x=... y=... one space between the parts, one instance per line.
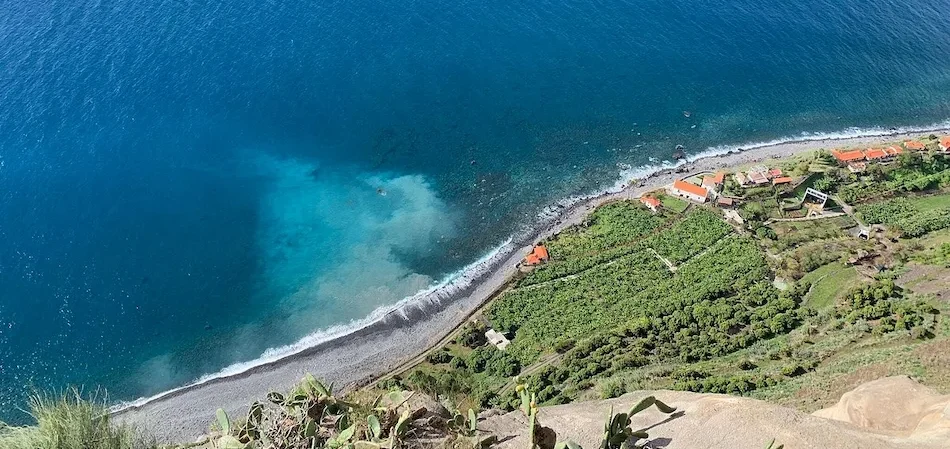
x=910 y=160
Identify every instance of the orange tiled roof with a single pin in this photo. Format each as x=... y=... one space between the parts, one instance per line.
x=875 y=153
x=650 y=201
x=689 y=188
x=914 y=145
x=758 y=177
x=848 y=156
x=782 y=180
x=775 y=172
x=709 y=181
x=945 y=141
x=893 y=150
x=538 y=255
x=719 y=177
x=541 y=251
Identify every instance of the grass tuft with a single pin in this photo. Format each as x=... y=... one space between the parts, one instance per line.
x=70 y=421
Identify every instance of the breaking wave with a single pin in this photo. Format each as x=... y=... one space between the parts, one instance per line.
x=460 y=281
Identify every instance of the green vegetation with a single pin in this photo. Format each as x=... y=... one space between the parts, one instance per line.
x=925 y=202
x=308 y=417
x=634 y=300
x=910 y=218
x=600 y=240
x=311 y=416
x=621 y=312
x=672 y=203
x=914 y=172
x=792 y=234
x=828 y=283
x=71 y=421
x=937 y=256
x=885 y=302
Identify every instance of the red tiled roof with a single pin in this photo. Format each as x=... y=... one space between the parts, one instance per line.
x=758 y=177
x=709 y=181
x=914 y=145
x=782 y=180
x=541 y=251
x=540 y=254
x=848 y=156
x=718 y=178
x=893 y=150
x=945 y=142
x=689 y=188
x=875 y=153
x=650 y=201
x=775 y=172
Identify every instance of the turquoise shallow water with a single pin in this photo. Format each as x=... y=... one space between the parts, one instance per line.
x=184 y=186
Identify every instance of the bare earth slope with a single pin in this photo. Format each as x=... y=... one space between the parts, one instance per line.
x=893 y=412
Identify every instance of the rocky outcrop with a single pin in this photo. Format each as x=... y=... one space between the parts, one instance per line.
x=888 y=413
x=895 y=406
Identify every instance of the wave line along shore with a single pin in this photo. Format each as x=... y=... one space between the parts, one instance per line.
x=351 y=354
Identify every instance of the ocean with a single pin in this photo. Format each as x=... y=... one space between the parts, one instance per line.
x=191 y=186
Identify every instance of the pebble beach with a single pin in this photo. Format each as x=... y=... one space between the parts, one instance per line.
x=411 y=327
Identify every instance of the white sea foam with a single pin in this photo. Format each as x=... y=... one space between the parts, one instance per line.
x=451 y=285
x=628 y=174
x=467 y=276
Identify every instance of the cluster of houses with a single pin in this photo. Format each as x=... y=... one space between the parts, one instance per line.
x=761 y=175
x=857 y=159
x=709 y=189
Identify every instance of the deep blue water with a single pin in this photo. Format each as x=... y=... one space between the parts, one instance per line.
x=184 y=185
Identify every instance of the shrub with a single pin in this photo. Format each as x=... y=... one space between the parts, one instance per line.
x=458 y=363
x=765 y=232
x=747 y=365
x=472 y=336
x=793 y=370
x=611 y=388
x=440 y=356
x=563 y=345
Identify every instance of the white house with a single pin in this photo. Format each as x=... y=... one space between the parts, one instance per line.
x=945 y=144
x=497 y=338
x=689 y=191
x=651 y=203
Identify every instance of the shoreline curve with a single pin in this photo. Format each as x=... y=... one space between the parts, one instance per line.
x=399 y=332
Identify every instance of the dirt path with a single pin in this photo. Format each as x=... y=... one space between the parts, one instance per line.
x=664 y=260
x=819 y=217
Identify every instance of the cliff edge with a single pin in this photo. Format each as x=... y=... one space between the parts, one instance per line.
x=893 y=412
